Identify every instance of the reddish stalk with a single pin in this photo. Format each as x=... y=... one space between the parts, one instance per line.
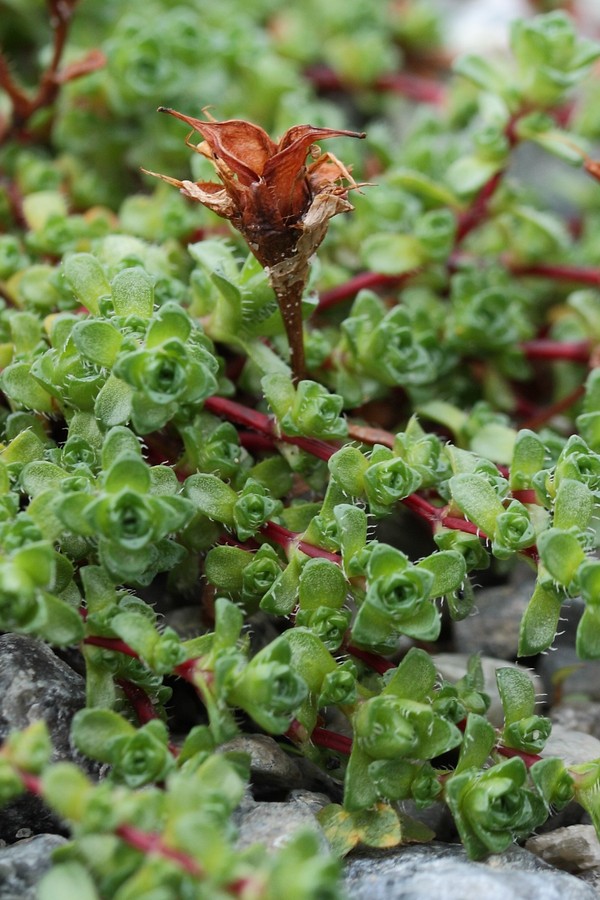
x=365 y=280
x=187 y=670
x=51 y=79
x=528 y=758
x=115 y=644
x=478 y=210
x=588 y=275
x=462 y=525
x=31 y=783
x=571 y=351
x=527 y=495
x=554 y=409
x=422 y=508
x=331 y=740
x=559 y=272
x=139 y=701
x=144 y=841
x=379 y=664
x=251 y=418
x=150 y=842
x=256 y=443
x=414 y=87
x=367 y=435
x=289 y=539
x=142 y=706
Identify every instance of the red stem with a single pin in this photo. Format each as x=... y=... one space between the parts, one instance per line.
x=331 y=740
x=187 y=669
x=378 y=663
x=31 y=783
x=528 y=758
x=415 y=87
x=462 y=525
x=559 y=272
x=149 y=842
x=527 y=495
x=256 y=443
x=478 y=210
x=422 y=508
x=115 y=644
x=251 y=418
x=146 y=842
x=286 y=539
x=348 y=289
x=572 y=351
x=139 y=700
x=367 y=435
x=554 y=409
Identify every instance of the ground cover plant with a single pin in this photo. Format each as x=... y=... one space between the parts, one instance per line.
x=171 y=427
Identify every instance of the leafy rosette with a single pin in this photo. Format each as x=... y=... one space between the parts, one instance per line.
x=492 y=809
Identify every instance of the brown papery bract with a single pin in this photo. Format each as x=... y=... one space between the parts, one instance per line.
x=280 y=204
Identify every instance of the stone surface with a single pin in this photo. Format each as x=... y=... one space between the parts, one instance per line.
x=572 y=746
x=578 y=716
x=453 y=666
x=493 y=629
x=273 y=824
x=437 y=817
x=573 y=849
x=35 y=684
x=272 y=770
x=312 y=800
x=24 y=863
x=565 y=676
x=443 y=871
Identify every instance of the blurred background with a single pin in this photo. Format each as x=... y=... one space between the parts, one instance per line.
x=344 y=63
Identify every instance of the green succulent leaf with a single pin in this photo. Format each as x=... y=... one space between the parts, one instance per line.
x=70 y=880
x=562 y=554
x=96 y=732
x=477 y=499
x=133 y=293
x=540 y=620
x=87 y=280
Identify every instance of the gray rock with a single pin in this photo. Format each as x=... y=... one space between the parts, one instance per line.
x=35 y=684
x=493 y=629
x=566 y=677
x=453 y=666
x=576 y=716
x=272 y=771
x=573 y=849
x=274 y=824
x=312 y=800
x=573 y=747
x=591 y=877
x=23 y=864
x=187 y=621
x=436 y=817
x=316 y=779
x=443 y=871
